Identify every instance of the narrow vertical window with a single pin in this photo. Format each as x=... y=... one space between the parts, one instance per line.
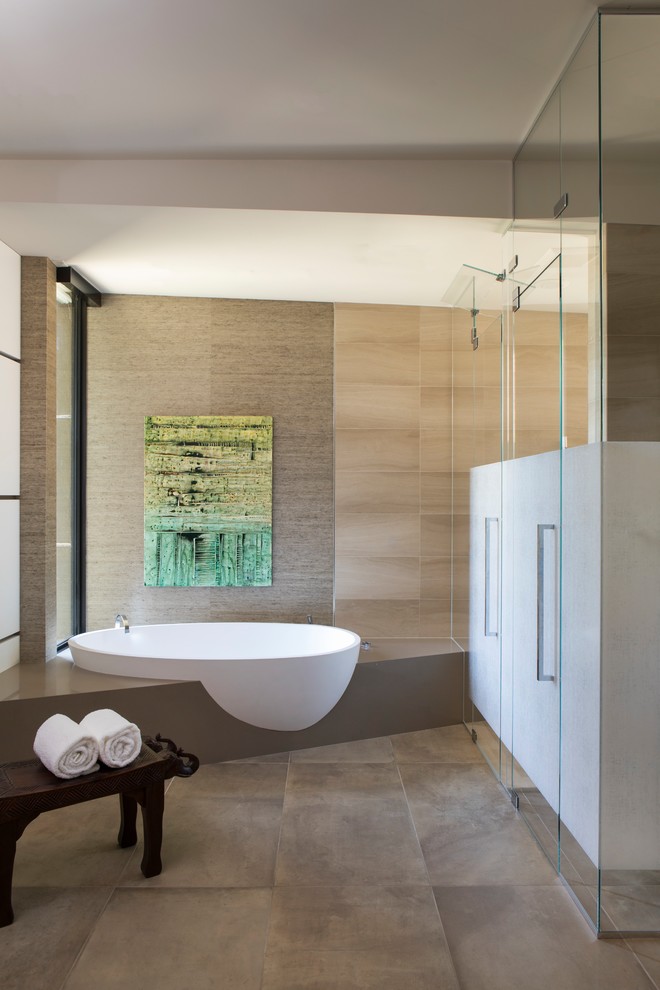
x=74 y=294
x=65 y=449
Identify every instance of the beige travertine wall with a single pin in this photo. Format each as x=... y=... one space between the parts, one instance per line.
x=524 y=421
x=633 y=332
x=163 y=355
x=38 y=461
x=393 y=470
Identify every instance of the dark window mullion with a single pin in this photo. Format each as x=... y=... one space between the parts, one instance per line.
x=79 y=440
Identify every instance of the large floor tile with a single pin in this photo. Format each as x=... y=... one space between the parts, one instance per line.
x=632 y=907
x=531 y=937
x=48 y=932
x=469 y=832
x=347 y=824
x=380 y=938
x=360 y=751
x=647 y=951
x=221 y=829
x=175 y=940
x=267 y=758
x=447 y=744
x=71 y=847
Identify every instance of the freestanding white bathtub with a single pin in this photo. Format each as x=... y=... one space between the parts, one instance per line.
x=271 y=674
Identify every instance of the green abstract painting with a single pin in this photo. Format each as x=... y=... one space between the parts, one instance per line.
x=208 y=501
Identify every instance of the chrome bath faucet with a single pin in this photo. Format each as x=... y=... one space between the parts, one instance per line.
x=121 y=620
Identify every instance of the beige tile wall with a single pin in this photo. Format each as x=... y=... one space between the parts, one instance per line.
x=393 y=470
x=530 y=413
x=633 y=332
x=154 y=355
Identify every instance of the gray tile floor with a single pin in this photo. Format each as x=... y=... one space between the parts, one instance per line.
x=384 y=864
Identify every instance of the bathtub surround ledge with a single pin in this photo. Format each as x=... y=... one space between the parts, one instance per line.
x=384 y=697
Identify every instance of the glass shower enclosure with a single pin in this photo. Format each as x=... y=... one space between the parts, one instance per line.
x=556 y=468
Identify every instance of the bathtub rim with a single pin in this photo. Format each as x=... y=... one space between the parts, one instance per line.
x=307 y=653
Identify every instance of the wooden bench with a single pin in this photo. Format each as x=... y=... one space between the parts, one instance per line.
x=27 y=789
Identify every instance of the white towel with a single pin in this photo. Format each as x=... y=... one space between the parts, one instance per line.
x=65 y=748
x=119 y=741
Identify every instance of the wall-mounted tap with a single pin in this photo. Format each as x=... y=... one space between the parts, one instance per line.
x=121 y=620
x=310 y=619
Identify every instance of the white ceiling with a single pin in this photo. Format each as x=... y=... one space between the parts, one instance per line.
x=333 y=257
x=208 y=78
x=272 y=79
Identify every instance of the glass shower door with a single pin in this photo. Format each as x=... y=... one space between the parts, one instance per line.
x=477 y=474
x=532 y=486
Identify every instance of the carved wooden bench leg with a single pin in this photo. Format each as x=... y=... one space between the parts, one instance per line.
x=127 y=828
x=10 y=833
x=153 y=804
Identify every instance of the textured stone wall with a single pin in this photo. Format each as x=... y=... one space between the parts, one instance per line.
x=163 y=355
x=38 y=460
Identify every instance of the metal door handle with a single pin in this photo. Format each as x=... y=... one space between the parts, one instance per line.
x=492 y=576
x=546 y=609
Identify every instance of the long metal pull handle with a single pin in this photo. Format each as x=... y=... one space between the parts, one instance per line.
x=492 y=576
x=546 y=600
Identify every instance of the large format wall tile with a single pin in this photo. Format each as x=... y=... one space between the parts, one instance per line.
x=385 y=364
x=380 y=534
x=377 y=450
x=381 y=577
x=377 y=491
x=633 y=366
x=377 y=407
x=384 y=357
x=385 y=618
x=377 y=324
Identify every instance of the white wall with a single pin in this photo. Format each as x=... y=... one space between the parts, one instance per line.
x=10 y=352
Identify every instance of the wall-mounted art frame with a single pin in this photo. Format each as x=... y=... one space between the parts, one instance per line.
x=208 y=501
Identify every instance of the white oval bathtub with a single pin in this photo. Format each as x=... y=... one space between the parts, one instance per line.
x=273 y=675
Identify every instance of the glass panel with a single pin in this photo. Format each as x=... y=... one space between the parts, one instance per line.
x=580 y=245
x=537 y=173
x=477 y=440
x=64 y=404
x=532 y=499
x=580 y=477
x=629 y=829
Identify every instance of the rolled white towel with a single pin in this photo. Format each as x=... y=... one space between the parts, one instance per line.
x=65 y=748
x=119 y=741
